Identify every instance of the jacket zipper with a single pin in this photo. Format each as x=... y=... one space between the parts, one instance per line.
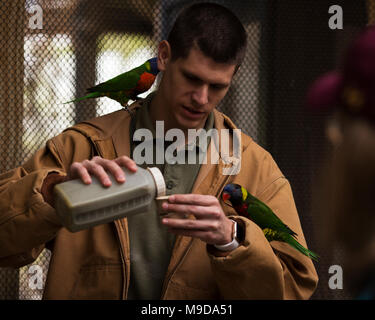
x=167 y=280
x=124 y=267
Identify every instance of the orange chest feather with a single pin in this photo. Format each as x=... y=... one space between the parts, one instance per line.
x=145 y=82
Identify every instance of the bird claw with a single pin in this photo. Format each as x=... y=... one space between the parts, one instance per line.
x=126 y=107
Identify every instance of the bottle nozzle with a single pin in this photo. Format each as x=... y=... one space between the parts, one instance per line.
x=159 y=181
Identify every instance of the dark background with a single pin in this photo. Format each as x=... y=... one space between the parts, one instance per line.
x=83 y=42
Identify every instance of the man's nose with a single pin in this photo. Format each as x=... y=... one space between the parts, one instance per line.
x=200 y=95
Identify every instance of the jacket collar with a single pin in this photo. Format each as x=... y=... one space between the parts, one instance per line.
x=111 y=137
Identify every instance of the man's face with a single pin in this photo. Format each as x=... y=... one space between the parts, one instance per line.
x=192 y=88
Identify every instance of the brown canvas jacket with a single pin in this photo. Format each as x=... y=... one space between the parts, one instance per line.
x=94 y=263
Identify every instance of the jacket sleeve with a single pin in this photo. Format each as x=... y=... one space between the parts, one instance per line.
x=259 y=269
x=27 y=222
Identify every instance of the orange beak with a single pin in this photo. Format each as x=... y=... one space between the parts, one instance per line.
x=225 y=196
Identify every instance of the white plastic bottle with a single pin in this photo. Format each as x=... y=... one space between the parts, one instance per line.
x=82 y=206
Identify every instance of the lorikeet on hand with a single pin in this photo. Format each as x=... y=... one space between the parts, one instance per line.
x=126 y=86
x=273 y=228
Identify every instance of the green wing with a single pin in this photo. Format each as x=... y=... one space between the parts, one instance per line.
x=125 y=81
x=264 y=217
x=272 y=227
x=118 y=88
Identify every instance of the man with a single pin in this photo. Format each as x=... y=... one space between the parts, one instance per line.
x=144 y=257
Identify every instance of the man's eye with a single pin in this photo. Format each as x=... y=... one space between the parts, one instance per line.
x=218 y=87
x=191 y=78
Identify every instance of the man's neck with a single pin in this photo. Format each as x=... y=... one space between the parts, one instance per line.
x=156 y=112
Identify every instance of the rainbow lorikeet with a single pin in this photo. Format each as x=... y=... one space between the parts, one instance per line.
x=126 y=86
x=273 y=228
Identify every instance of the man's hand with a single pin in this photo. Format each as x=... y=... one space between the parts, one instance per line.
x=211 y=225
x=97 y=167
x=100 y=168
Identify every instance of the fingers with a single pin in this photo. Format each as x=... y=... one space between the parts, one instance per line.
x=209 y=231
x=200 y=212
x=204 y=230
x=101 y=168
x=201 y=206
x=211 y=225
x=191 y=224
x=193 y=199
x=77 y=170
x=126 y=162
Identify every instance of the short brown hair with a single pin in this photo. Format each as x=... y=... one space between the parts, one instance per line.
x=214 y=29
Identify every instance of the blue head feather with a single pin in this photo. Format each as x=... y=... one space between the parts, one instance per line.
x=154 y=66
x=235 y=193
x=230 y=188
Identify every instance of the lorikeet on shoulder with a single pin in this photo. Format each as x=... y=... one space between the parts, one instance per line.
x=126 y=86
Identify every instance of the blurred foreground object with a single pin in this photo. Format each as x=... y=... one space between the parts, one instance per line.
x=348 y=202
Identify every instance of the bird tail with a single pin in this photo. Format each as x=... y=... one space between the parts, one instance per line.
x=295 y=244
x=89 y=96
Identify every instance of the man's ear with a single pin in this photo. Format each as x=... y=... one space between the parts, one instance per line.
x=164 y=55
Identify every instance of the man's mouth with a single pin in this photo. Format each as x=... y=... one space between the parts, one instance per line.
x=192 y=114
x=192 y=110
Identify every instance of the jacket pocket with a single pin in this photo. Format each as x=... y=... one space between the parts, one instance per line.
x=98 y=282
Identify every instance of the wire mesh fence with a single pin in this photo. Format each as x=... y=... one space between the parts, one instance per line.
x=51 y=51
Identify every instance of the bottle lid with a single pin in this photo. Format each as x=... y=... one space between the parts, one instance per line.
x=159 y=181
